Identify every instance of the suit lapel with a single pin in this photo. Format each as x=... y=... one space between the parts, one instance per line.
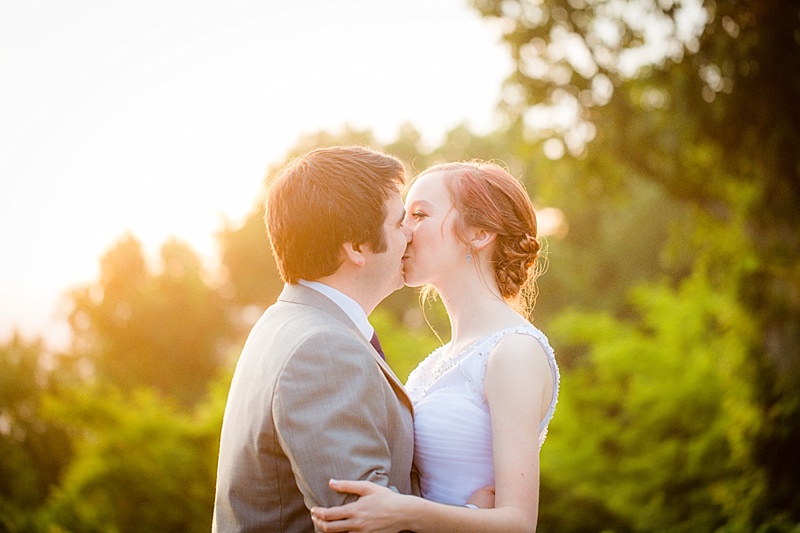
x=392 y=379
x=307 y=296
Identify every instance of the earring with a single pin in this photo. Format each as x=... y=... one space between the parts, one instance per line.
x=469 y=256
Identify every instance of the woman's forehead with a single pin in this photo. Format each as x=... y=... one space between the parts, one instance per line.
x=430 y=188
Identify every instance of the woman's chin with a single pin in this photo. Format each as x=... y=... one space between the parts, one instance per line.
x=411 y=282
x=412 y=278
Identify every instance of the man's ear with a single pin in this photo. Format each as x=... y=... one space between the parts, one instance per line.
x=482 y=238
x=353 y=254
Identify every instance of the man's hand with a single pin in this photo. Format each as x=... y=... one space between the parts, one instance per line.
x=483 y=497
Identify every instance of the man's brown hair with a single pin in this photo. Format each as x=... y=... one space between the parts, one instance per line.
x=324 y=199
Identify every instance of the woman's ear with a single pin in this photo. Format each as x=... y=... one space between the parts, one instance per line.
x=352 y=253
x=481 y=239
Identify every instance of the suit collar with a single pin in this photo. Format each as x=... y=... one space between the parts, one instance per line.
x=348 y=305
x=307 y=296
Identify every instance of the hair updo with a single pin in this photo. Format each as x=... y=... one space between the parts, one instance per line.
x=487 y=197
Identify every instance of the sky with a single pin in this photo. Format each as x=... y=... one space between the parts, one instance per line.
x=161 y=118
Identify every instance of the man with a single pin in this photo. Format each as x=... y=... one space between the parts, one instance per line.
x=311 y=398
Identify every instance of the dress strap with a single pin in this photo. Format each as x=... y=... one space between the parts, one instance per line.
x=529 y=329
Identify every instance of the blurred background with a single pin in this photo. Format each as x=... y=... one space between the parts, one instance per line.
x=658 y=139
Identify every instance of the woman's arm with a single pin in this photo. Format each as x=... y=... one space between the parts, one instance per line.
x=516 y=385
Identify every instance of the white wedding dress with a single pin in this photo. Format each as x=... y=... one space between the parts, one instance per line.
x=452 y=429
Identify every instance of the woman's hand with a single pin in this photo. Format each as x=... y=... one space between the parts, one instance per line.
x=377 y=509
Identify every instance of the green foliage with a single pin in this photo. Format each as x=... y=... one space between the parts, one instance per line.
x=672 y=296
x=33 y=451
x=714 y=119
x=614 y=237
x=140 y=464
x=169 y=330
x=655 y=413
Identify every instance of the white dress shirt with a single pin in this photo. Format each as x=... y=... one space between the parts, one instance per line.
x=353 y=310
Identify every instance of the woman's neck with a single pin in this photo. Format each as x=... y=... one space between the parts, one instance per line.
x=475 y=309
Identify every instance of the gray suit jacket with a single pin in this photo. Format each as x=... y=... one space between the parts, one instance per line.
x=310 y=400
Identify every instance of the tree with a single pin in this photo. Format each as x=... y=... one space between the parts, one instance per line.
x=658 y=411
x=33 y=451
x=169 y=331
x=141 y=463
x=102 y=438
x=705 y=103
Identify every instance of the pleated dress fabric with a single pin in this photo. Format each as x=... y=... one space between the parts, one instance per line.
x=452 y=425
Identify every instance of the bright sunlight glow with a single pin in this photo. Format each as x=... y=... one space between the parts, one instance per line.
x=162 y=118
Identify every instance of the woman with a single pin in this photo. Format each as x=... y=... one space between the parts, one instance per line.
x=474 y=241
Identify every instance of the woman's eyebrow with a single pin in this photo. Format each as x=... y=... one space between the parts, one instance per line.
x=423 y=203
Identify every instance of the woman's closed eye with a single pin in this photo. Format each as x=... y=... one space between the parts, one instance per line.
x=418 y=215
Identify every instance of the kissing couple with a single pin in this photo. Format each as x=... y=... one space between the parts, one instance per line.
x=318 y=433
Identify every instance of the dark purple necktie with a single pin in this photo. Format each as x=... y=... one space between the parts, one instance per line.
x=377 y=345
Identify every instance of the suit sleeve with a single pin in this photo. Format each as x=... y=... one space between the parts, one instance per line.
x=330 y=411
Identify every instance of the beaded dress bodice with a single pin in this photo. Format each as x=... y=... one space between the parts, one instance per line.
x=452 y=426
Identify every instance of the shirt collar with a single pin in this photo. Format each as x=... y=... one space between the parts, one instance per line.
x=351 y=308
